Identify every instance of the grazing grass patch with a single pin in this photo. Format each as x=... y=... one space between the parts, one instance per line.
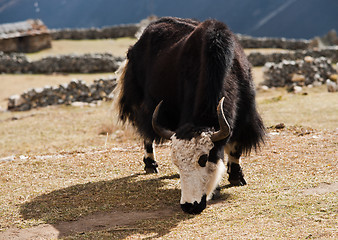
x=317 y=108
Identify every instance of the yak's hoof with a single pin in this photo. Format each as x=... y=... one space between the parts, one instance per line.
x=216 y=194
x=151 y=170
x=151 y=165
x=236 y=176
x=237 y=182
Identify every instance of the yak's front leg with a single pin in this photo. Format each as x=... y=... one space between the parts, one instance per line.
x=149 y=158
x=236 y=176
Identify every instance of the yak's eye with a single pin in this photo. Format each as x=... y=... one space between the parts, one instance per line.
x=203 y=160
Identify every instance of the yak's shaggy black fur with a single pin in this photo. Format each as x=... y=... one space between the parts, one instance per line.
x=190 y=65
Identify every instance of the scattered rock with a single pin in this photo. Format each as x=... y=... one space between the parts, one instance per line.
x=297 y=78
x=7 y=159
x=309 y=59
x=294 y=89
x=331 y=86
x=280 y=126
x=263 y=88
x=334 y=77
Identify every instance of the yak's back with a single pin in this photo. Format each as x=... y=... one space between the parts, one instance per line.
x=162 y=34
x=182 y=62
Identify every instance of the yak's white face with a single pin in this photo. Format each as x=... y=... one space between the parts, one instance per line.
x=198 y=177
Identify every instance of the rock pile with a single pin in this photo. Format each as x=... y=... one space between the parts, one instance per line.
x=75 y=91
x=85 y=63
x=300 y=72
x=259 y=59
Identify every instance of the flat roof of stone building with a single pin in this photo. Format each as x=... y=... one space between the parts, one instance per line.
x=24 y=28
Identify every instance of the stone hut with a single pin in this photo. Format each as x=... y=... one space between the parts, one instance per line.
x=27 y=36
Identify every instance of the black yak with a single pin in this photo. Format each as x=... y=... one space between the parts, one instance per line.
x=190 y=82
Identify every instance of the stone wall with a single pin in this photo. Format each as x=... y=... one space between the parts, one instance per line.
x=13 y=63
x=75 y=91
x=86 y=63
x=300 y=72
x=259 y=59
x=118 y=31
x=130 y=30
x=291 y=44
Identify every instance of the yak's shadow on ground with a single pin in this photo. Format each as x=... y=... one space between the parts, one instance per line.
x=119 y=206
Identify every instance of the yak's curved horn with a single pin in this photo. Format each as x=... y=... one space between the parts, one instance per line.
x=162 y=132
x=224 y=130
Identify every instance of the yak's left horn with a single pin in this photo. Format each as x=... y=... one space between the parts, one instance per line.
x=224 y=126
x=162 y=132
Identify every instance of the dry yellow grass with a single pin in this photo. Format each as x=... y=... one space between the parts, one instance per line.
x=63 y=187
x=265 y=50
x=314 y=107
x=117 y=47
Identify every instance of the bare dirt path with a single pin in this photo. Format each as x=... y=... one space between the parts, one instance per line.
x=112 y=221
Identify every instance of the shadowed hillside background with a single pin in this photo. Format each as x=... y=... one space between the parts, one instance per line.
x=271 y=18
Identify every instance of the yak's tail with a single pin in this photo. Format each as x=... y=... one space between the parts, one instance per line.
x=118 y=92
x=218 y=49
x=220 y=54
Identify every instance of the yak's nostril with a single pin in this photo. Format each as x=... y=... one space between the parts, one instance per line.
x=195 y=208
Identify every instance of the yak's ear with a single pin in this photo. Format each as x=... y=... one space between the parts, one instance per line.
x=203 y=160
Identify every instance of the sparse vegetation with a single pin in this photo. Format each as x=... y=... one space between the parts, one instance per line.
x=117 y=47
x=59 y=168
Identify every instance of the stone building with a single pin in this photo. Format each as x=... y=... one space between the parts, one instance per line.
x=26 y=36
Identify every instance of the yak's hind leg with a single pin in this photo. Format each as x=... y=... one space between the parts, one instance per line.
x=149 y=158
x=236 y=176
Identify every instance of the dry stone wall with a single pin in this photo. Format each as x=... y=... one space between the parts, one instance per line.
x=75 y=91
x=86 y=63
x=89 y=63
x=300 y=72
x=259 y=59
x=128 y=30
x=131 y=30
x=291 y=44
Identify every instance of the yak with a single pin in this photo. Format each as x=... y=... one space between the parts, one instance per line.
x=190 y=82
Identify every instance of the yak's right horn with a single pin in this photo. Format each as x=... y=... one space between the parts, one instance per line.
x=224 y=126
x=162 y=132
